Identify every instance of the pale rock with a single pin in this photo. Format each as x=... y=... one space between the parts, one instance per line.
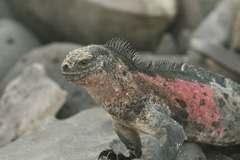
x=95 y=21
x=82 y=137
x=51 y=56
x=29 y=101
x=216 y=28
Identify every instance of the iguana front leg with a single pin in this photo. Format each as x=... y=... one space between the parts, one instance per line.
x=155 y=121
x=130 y=138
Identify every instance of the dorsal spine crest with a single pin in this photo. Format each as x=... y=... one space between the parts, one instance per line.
x=169 y=69
x=124 y=50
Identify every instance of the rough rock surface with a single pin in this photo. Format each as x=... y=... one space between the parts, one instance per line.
x=94 y=21
x=81 y=137
x=191 y=151
x=15 y=41
x=51 y=57
x=29 y=100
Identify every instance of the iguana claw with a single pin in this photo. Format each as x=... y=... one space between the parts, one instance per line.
x=110 y=155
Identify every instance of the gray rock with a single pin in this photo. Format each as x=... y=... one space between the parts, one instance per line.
x=28 y=101
x=81 y=137
x=190 y=15
x=167 y=45
x=207 y=6
x=94 y=21
x=188 y=19
x=183 y=40
x=219 y=64
x=15 y=41
x=235 y=43
x=51 y=56
x=216 y=28
x=208 y=47
x=4 y=9
x=191 y=151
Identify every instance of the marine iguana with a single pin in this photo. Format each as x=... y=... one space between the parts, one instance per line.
x=172 y=99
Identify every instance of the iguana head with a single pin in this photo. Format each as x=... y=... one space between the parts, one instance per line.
x=100 y=70
x=85 y=61
x=114 y=59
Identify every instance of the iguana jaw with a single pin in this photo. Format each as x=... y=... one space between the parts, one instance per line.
x=72 y=77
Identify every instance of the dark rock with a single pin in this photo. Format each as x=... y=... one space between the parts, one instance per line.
x=236 y=156
x=218 y=156
x=93 y=21
x=208 y=47
x=183 y=40
x=29 y=101
x=167 y=46
x=216 y=59
x=5 y=11
x=51 y=57
x=15 y=41
x=190 y=151
x=189 y=14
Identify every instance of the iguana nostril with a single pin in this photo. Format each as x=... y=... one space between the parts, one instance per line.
x=65 y=67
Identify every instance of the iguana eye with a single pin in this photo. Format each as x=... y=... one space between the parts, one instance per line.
x=83 y=63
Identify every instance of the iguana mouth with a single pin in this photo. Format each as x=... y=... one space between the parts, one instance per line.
x=74 y=76
x=77 y=76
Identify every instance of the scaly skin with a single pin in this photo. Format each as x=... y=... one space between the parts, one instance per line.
x=177 y=100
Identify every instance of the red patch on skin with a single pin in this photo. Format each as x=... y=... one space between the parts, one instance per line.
x=198 y=98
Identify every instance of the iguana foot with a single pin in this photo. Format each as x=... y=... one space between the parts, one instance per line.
x=110 y=155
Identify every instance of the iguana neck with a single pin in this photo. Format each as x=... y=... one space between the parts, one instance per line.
x=116 y=91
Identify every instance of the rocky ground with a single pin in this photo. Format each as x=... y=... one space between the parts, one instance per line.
x=43 y=117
